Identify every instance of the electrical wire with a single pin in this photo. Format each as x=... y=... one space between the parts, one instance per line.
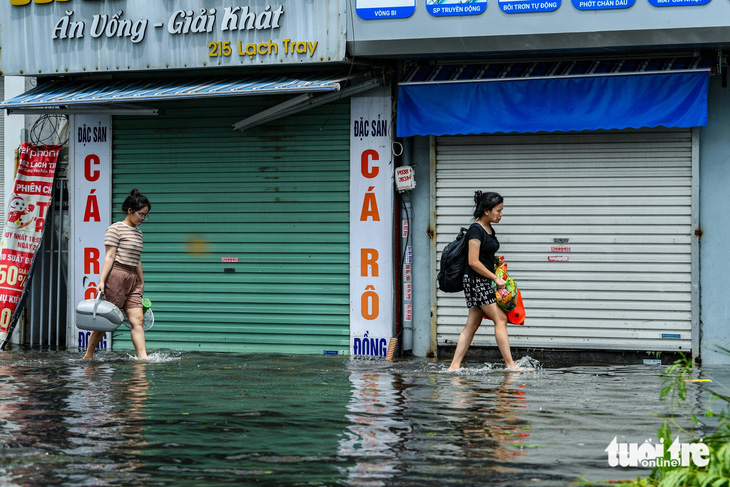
x=46 y=130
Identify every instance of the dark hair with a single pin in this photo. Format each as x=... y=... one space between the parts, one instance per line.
x=135 y=201
x=485 y=202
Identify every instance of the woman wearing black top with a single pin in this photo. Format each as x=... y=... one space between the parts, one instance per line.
x=480 y=297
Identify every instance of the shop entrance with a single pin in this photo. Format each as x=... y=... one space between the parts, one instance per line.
x=247 y=244
x=597 y=232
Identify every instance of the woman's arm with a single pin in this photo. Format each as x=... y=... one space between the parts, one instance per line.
x=111 y=254
x=474 y=262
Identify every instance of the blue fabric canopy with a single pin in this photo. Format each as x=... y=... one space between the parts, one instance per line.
x=473 y=102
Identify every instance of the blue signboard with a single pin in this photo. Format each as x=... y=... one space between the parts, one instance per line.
x=602 y=4
x=525 y=6
x=385 y=9
x=677 y=3
x=441 y=8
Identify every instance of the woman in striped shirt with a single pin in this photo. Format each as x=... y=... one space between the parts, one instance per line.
x=122 y=280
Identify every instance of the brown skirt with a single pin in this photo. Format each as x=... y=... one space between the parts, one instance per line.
x=122 y=289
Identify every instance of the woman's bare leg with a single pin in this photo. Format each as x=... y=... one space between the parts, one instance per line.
x=136 y=320
x=467 y=335
x=499 y=318
x=94 y=340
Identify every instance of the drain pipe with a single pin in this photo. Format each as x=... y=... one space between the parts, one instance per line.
x=404 y=182
x=407 y=275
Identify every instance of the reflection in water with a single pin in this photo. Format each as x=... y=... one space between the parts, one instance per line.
x=378 y=430
x=106 y=420
x=481 y=432
x=76 y=417
x=212 y=419
x=491 y=426
x=480 y=422
x=31 y=415
x=13 y=396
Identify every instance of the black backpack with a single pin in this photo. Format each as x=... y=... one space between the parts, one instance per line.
x=453 y=264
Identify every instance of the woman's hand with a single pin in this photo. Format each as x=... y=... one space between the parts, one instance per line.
x=100 y=289
x=500 y=283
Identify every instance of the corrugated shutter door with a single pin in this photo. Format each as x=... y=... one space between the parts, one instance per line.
x=596 y=232
x=275 y=197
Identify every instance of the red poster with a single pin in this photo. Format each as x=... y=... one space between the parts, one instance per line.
x=26 y=215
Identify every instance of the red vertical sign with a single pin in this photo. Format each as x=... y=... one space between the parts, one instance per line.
x=26 y=215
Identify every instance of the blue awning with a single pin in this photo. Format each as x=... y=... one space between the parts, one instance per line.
x=77 y=96
x=553 y=96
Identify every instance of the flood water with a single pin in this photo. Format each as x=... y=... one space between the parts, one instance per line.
x=232 y=419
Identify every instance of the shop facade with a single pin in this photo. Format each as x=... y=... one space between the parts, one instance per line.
x=237 y=122
x=266 y=136
x=601 y=127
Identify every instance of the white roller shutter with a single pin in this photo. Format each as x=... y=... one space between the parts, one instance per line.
x=597 y=232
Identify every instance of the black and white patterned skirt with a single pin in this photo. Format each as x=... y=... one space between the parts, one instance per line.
x=478 y=291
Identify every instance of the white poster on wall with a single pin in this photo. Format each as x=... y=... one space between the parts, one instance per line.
x=371 y=224
x=92 y=175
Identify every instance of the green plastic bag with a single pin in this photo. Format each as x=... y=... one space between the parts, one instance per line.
x=507 y=297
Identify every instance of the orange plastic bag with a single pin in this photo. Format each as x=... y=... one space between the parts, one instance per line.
x=509 y=298
x=517 y=315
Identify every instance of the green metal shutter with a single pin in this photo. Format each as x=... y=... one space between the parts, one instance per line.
x=276 y=197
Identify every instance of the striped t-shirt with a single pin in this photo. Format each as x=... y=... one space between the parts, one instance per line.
x=127 y=240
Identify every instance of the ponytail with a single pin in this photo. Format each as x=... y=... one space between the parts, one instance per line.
x=485 y=202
